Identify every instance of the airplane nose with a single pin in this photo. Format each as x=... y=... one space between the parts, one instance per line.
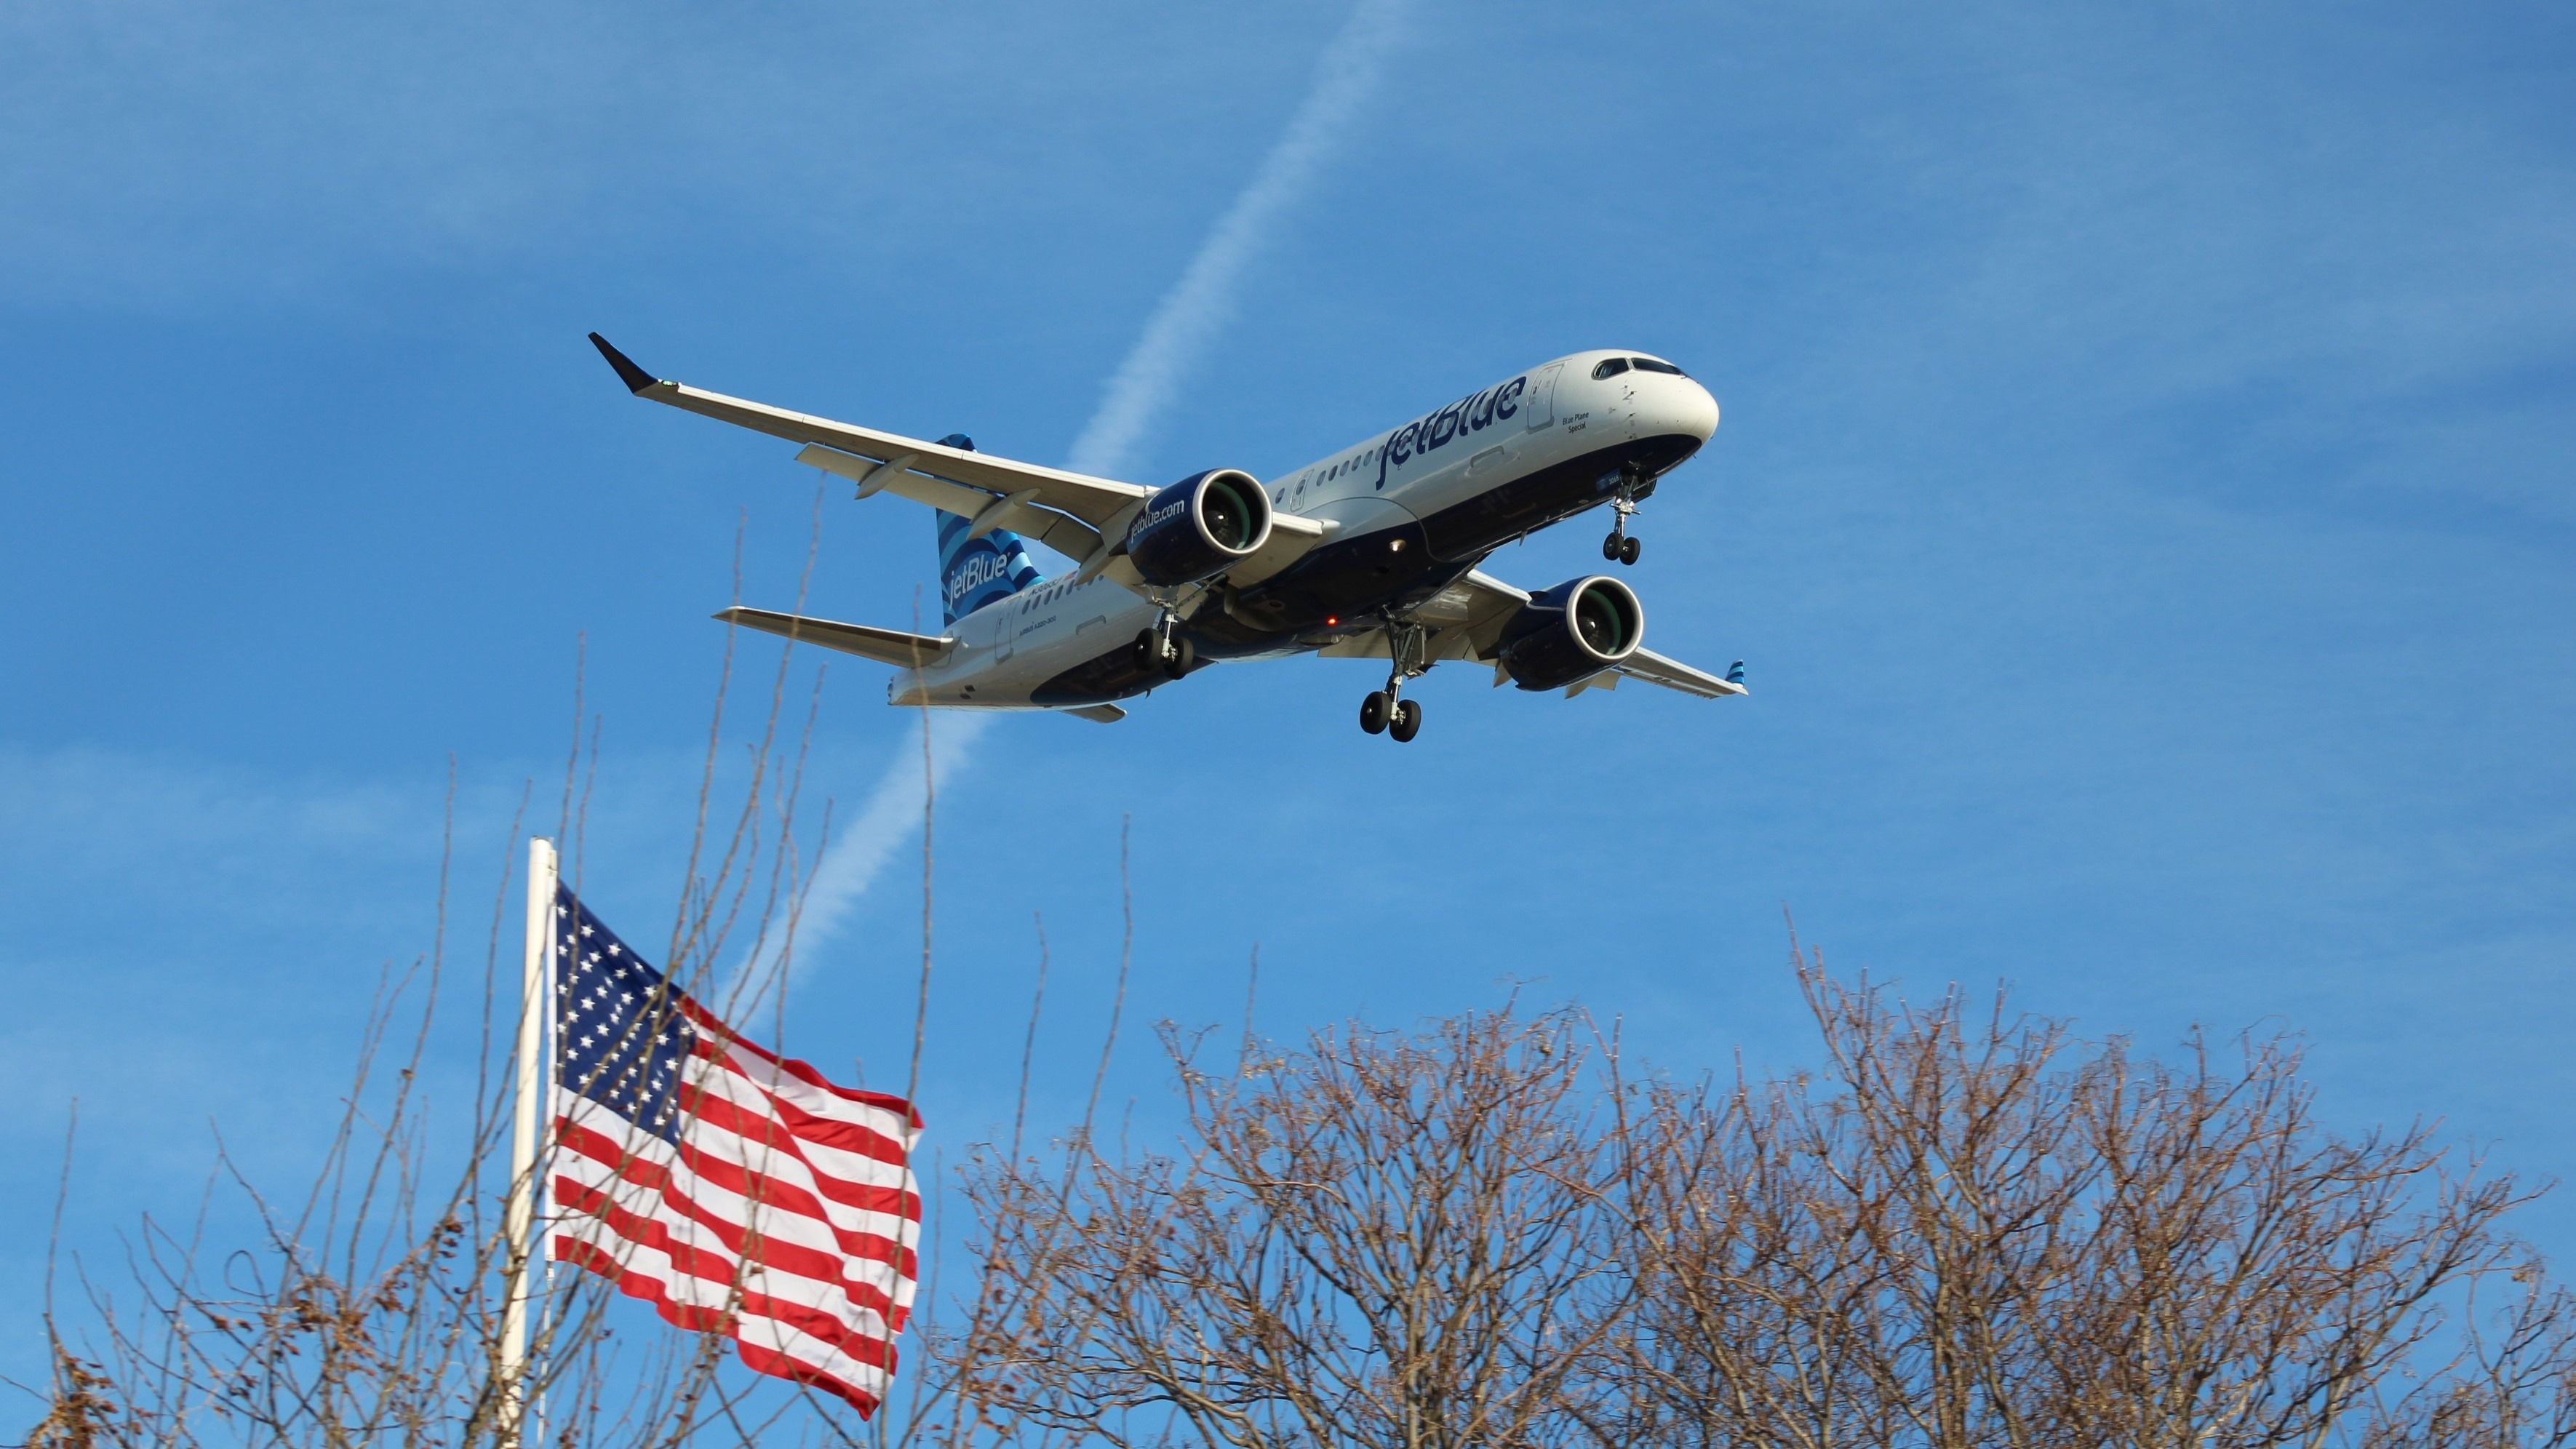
x=1687 y=408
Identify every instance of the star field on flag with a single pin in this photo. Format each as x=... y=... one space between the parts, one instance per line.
x=622 y=1039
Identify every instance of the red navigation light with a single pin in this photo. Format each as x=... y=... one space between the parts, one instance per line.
x=1332 y=620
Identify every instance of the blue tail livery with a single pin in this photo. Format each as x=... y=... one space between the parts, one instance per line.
x=974 y=572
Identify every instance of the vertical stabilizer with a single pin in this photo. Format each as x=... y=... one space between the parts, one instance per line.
x=974 y=572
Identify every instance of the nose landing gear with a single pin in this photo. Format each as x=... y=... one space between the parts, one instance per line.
x=1620 y=547
x=1385 y=711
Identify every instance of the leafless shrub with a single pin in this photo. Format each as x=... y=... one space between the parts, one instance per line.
x=1376 y=1239
x=1977 y=1231
x=1969 y=1229
x=367 y=1307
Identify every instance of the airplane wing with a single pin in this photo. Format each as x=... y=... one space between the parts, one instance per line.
x=1037 y=501
x=1075 y=514
x=1466 y=621
x=1671 y=673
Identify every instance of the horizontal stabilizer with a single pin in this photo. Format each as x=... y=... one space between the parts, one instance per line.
x=886 y=646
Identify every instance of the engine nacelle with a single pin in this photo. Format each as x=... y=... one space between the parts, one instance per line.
x=1199 y=527
x=1572 y=632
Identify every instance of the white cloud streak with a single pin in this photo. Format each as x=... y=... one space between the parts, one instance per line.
x=1200 y=303
x=1175 y=336
x=861 y=849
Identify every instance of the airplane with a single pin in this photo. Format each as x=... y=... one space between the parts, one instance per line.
x=1371 y=552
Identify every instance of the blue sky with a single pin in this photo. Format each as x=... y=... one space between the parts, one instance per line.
x=2143 y=502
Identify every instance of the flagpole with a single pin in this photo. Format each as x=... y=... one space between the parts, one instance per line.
x=530 y=1086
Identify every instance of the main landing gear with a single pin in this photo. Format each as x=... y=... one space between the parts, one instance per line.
x=1385 y=711
x=1164 y=650
x=1620 y=547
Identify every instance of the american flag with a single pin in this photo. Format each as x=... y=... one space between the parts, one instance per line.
x=736 y=1192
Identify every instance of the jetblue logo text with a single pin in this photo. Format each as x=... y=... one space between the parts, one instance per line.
x=1472 y=414
x=974 y=571
x=1157 y=515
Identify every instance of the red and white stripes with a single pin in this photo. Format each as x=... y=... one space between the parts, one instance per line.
x=786 y=1216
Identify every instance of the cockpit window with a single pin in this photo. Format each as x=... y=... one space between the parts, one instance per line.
x=1610 y=367
x=1648 y=364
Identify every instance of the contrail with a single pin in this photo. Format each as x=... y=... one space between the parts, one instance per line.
x=858 y=853
x=1187 y=318
x=1179 y=331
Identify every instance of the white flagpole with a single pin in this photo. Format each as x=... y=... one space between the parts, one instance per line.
x=531 y=1085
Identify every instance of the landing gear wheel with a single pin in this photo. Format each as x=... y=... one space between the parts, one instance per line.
x=1408 y=720
x=1611 y=546
x=1171 y=660
x=1373 y=712
x=1629 y=549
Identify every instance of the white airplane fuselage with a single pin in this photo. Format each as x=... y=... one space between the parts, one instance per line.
x=1409 y=511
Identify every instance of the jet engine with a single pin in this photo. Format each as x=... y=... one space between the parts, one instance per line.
x=1199 y=527
x=1572 y=632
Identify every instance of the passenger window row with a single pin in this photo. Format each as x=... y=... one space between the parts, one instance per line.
x=1328 y=473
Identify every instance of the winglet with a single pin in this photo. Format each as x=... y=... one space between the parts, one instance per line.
x=635 y=378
